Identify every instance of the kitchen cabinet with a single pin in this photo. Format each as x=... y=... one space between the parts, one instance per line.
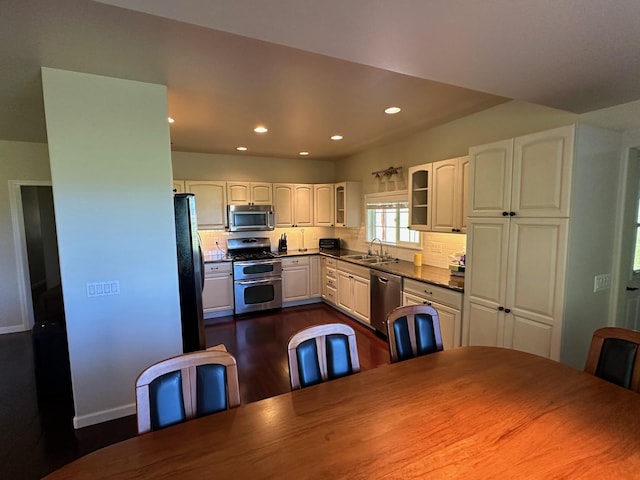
x=516 y=282
x=529 y=176
x=211 y=203
x=354 y=290
x=323 y=205
x=178 y=186
x=315 y=289
x=420 y=180
x=295 y=278
x=531 y=256
x=244 y=193
x=328 y=275
x=217 y=294
x=448 y=304
x=293 y=205
x=348 y=204
x=449 y=195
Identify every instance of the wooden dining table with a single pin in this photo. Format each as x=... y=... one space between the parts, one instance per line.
x=473 y=412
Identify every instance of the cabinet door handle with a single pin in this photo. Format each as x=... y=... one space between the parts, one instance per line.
x=507 y=310
x=512 y=214
x=501 y=308
x=505 y=214
x=632 y=289
x=426 y=302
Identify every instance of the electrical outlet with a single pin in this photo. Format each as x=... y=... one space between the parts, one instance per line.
x=601 y=282
x=102 y=289
x=436 y=247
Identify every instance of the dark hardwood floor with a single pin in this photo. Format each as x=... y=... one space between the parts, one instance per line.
x=37 y=434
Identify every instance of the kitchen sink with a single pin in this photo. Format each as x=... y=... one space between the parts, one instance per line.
x=369 y=259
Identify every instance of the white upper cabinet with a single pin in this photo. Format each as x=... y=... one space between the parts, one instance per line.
x=348 y=204
x=293 y=205
x=323 y=205
x=420 y=197
x=448 y=195
x=244 y=193
x=178 y=186
x=529 y=176
x=211 y=203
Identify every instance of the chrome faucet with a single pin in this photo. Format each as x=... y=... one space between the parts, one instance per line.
x=371 y=246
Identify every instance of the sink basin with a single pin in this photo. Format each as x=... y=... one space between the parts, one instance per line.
x=377 y=260
x=363 y=256
x=369 y=259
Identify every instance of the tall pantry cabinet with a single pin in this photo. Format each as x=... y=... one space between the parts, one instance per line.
x=535 y=240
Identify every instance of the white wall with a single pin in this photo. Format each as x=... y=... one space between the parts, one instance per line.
x=18 y=161
x=208 y=166
x=592 y=226
x=111 y=170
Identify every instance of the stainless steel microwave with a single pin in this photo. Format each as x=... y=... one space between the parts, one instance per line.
x=249 y=218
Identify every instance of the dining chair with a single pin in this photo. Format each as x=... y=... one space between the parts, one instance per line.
x=413 y=331
x=186 y=386
x=321 y=353
x=613 y=356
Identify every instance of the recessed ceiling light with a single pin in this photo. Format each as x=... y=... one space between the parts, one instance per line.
x=392 y=110
x=336 y=137
x=170 y=120
x=304 y=154
x=242 y=149
x=260 y=129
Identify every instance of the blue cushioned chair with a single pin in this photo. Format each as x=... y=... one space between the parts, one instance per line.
x=413 y=330
x=184 y=387
x=613 y=356
x=321 y=353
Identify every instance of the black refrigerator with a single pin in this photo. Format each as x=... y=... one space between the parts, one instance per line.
x=190 y=272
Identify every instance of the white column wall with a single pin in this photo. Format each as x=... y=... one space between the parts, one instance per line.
x=109 y=151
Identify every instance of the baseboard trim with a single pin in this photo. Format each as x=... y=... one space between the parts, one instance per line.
x=13 y=329
x=80 y=421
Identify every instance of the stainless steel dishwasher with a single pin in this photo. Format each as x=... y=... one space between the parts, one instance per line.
x=386 y=294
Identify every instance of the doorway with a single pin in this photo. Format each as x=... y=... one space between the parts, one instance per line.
x=42 y=253
x=628 y=310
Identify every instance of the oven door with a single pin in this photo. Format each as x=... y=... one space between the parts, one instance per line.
x=257 y=295
x=257 y=269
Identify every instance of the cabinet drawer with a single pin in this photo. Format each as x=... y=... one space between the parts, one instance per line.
x=329 y=261
x=357 y=270
x=331 y=272
x=217 y=268
x=331 y=295
x=330 y=282
x=433 y=293
x=295 y=261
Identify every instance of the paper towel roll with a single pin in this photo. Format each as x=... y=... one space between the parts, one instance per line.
x=417 y=259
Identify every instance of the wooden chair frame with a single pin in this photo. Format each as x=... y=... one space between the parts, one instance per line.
x=187 y=364
x=410 y=312
x=320 y=332
x=597 y=340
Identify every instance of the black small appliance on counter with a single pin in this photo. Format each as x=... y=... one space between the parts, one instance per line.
x=282 y=243
x=329 y=244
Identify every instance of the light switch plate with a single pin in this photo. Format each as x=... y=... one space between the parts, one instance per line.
x=601 y=282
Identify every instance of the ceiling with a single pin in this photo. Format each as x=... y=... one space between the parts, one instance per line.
x=308 y=69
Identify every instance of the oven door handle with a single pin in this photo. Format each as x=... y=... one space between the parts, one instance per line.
x=259 y=262
x=254 y=282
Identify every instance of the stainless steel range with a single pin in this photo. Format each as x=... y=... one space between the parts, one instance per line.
x=257 y=274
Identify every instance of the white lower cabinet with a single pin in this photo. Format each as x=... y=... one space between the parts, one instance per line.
x=448 y=304
x=217 y=294
x=353 y=290
x=295 y=278
x=515 y=287
x=328 y=276
x=300 y=280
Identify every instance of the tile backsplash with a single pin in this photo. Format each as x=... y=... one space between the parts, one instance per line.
x=436 y=247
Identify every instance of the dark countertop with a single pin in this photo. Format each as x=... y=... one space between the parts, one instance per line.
x=436 y=276
x=426 y=273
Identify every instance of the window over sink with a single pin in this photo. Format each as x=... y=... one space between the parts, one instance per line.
x=388 y=219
